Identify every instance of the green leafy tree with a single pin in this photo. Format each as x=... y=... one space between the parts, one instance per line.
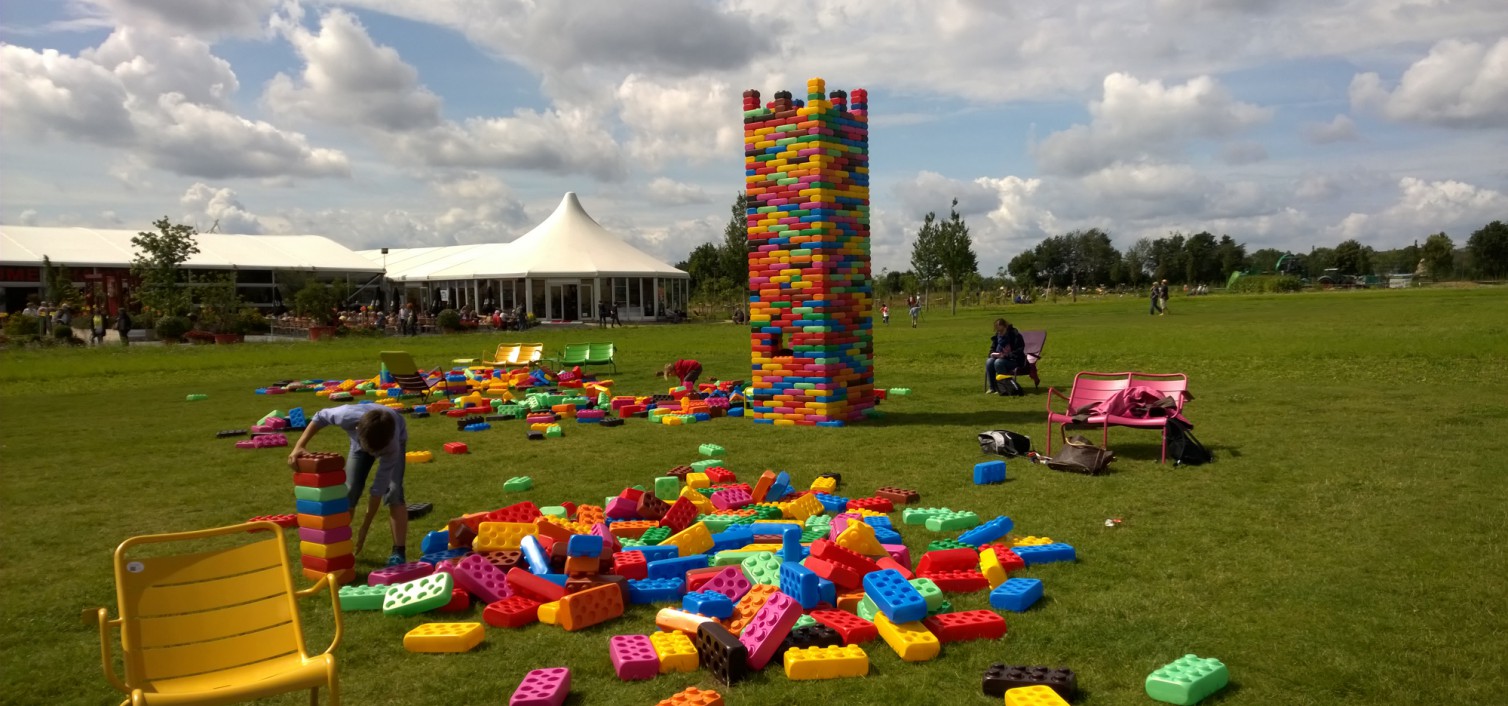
x=159 y=256
x=926 y=257
x=1023 y=268
x=1488 y=248
x=1438 y=254
x=1232 y=257
x=1169 y=260
x=1319 y=260
x=1138 y=262
x=1353 y=258
x=1265 y=260
x=735 y=249
x=1201 y=259
x=705 y=265
x=955 y=254
x=221 y=307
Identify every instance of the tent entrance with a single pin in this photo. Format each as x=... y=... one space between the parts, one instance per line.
x=568 y=301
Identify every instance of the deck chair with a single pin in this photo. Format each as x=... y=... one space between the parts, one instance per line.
x=505 y=355
x=601 y=354
x=1034 y=341
x=207 y=627
x=401 y=366
x=573 y=354
x=529 y=354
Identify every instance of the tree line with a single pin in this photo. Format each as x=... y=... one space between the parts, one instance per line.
x=943 y=257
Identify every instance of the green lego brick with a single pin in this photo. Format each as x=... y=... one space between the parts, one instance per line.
x=418 y=596
x=667 y=488
x=331 y=492
x=1187 y=680
x=812 y=535
x=930 y=593
x=731 y=557
x=518 y=484
x=899 y=391
x=945 y=607
x=707 y=492
x=765 y=512
x=920 y=515
x=763 y=568
x=361 y=597
x=819 y=522
x=631 y=542
x=715 y=523
x=952 y=521
x=554 y=511
x=655 y=535
x=704 y=464
x=938 y=544
x=867 y=609
x=554 y=432
x=713 y=451
x=803 y=621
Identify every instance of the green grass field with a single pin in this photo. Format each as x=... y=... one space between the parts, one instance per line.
x=1348 y=546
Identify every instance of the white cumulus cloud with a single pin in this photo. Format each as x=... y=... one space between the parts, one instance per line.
x=1460 y=84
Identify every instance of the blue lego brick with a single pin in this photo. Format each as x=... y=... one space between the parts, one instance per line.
x=557 y=579
x=1045 y=553
x=827 y=591
x=790 y=544
x=297 y=419
x=1016 y=594
x=323 y=507
x=655 y=590
x=656 y=552
x=676 y=568
x=832 y=503
x=442 y=555
x=989 y=472
x=584 y=545
x=734 y=537
x=709 y=603
x=739 y=412
x=988 y=532
x=885 y=535
x=895 y=596
x=535 y=555
x=437 y=541
x=479 y=426
x=878 y=521
x=800 y=583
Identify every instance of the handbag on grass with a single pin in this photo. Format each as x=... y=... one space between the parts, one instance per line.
x=1081 y=456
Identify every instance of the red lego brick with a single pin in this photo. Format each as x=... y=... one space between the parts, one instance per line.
x=679 y=516
x=460 y=601
x=630 y=565
x=696 y=577
x=456 y=447
x=511 y=612
x=328 y=565
x=284 y=521
x=533 y=587
x=948 y=560
x=853 y=629
x=842 y=576
x=898 y=496
x=517 y=512
x=632 y=494
x=826 y=549
x=875 y=504
x=958 y=581
x=321 y=462
x=968 y=625
x=651 y=507
x=718 y=474
x=320 y=480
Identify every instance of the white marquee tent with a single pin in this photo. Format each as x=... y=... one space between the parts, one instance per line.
x=559 y=270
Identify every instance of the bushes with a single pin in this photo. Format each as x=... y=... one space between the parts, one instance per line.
x=23 y=326
x=171 y=328
x=449 y=321
x=1265 y=284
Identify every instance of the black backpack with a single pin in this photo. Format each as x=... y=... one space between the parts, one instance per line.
x=1005 y=443
x=1183 y=447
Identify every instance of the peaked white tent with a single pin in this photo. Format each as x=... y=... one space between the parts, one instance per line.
x=560 y=270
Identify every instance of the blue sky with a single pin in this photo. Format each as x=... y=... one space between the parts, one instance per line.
x=420 y=122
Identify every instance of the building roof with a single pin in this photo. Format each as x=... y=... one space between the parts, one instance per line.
x=89 y=247
x=570 y=243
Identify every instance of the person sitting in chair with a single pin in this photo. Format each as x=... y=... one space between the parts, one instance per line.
x=1007 y=355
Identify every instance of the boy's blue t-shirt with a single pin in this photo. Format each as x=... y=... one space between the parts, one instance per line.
x=391 y=459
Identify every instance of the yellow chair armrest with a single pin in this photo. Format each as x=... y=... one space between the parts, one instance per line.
x=324 y=581
x=101 y=617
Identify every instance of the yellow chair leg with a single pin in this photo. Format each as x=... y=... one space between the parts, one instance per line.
x=334 y=699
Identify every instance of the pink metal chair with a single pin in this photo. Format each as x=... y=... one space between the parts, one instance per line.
x=1088 y=388
x=1172 y=385
x=1034 y=341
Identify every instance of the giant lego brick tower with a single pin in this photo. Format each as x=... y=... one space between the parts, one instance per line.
x=806 y=164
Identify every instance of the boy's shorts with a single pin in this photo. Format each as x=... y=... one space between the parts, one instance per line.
x=359 y=465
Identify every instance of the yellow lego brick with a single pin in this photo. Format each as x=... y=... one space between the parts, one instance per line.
x=912 y=642
x=701 y=502
x=760 y=548
x=825 y=484
x=695 y=539
x=803 y=507
x=832 y=662
x=500 y=536
x=1030 y=541
x=548 y=613
x=443 y=637
x=540 y=426
x=865 y=512
x=676 y=651
x=1037 y=695
x=326 y=551
x=859 y=537
x=989 y=564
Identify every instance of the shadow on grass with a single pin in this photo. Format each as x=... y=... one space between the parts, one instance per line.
x=981 y=420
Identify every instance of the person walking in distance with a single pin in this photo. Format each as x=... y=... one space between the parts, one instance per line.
x=1156 y=297
x=914 y=305
x=1164 y=303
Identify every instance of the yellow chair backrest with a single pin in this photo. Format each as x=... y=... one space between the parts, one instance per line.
x=506 y=353
x=399 y=363
x=530 y=353
x=190 y=614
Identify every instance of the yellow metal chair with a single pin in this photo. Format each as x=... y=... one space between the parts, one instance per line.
x=213 y=627
x=505 y=355
x=529 y=354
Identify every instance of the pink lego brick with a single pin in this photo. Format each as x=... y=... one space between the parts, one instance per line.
x=768 y=628
x=621 y=508
x=542 y=687
x=633 y=657
x=324 y=536
x=246 y=444
x=401 y=573
x=481 y=579
x=732 y=499
x=610 y=542
x=840 y=523
x=276 y=423
x=731 y=582
x=898 y=552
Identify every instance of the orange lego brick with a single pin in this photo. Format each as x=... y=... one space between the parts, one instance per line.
x=693 y=696
x=590 y=607
x=747 y=606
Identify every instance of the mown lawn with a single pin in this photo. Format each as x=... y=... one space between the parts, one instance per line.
x=1348 y=546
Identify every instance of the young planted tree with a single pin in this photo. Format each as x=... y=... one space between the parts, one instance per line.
x=926 y=260
x=159 y=255
x=955 y=253
x=1438 y=254
x=735 y=251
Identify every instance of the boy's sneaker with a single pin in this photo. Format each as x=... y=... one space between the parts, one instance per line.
x=395 y=559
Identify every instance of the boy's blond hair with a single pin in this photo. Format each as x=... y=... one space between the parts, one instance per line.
x=666 y=371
